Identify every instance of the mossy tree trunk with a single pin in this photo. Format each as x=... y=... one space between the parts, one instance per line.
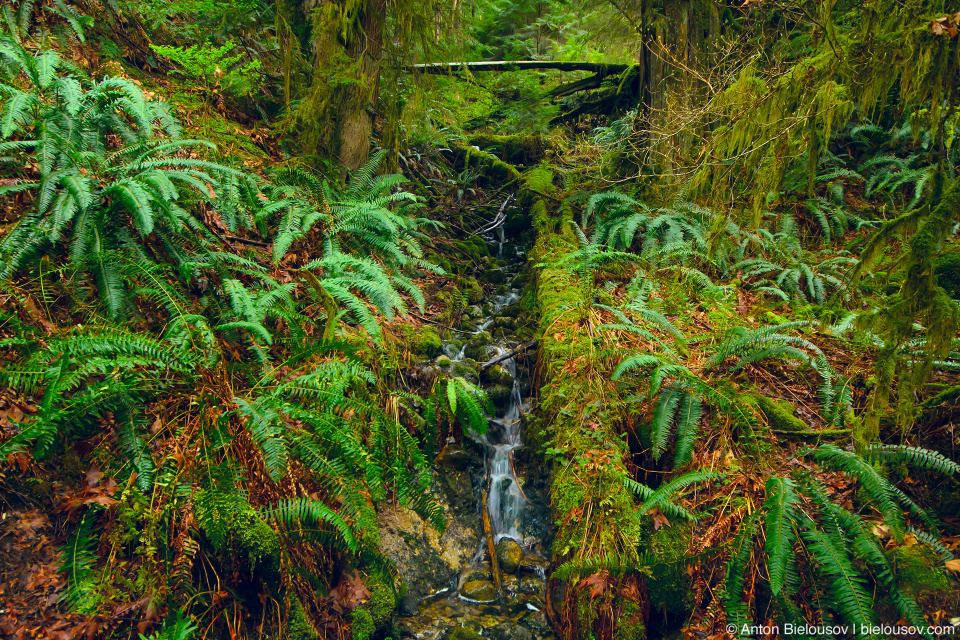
x=341 y=45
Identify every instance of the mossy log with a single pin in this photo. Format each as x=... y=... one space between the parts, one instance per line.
x=590 y=501
x=522 y=150
x=495 y=169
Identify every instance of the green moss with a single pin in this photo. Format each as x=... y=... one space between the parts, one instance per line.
x=516 y=149
x=363 y=626
x=383 y=598
x=630 y=625
x=669 y=588
x=298 y=627
x=427 y=342
x=779 y=413
x=947 y=269
x=472 y=289
x=258 y=539
x=919 y=569
x=461 y=633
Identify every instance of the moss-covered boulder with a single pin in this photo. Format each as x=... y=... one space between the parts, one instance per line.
x=780 y=414
x=500 y=395
x=426 y=343
x=472 y=290
x=496 y=375
x=477 y=345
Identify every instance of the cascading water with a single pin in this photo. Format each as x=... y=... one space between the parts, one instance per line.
x=472 y=601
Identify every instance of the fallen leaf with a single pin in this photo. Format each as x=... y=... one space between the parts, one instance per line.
x=598 y=583
x=953 y=565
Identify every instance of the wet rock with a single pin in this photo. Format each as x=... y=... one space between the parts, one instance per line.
x=473 y=311
x=493 y=276
x=443 y=362
x=496 y=375
x=459 y=633
x=473 y=574
x=479 y=591
x=408 y=606
x=505 y=322
x=477 y=345
x=453 y=457
x=530 y=586
x=533 y=566
x=500 y=396
x=466 y=369
x=511 y=631
x=426 y=559
x=509 y=554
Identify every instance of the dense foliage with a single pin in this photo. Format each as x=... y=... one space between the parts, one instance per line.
x=233 y=230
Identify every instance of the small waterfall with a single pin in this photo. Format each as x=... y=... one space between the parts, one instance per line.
x=505 y=498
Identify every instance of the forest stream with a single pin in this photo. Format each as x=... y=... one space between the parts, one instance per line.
x=517 y=524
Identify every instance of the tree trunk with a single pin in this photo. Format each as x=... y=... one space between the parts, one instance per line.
x=355 y=113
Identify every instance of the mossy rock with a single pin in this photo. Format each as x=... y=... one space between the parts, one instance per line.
x=497 y=375
x=473 y=290
x=779 y=413
x=919 y=569
x=493 y=276
x=500 y=395
x=427 y=343
x=946 y=266
x=516 y=224
x=477 y=345
x=509 y=555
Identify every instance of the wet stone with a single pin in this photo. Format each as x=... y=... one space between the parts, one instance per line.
x=408 y=606
x=454 y=457
x=500 y=396
x=479 y=591
x=509 y=555
x=511 y=631
x=497 y=375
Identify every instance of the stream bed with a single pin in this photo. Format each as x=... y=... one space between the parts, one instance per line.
x=503 y=475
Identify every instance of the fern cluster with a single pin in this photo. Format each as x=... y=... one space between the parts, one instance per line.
x=846 y=555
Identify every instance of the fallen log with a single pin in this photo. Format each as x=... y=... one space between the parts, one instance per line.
x=519 y=65
x=508 y=355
